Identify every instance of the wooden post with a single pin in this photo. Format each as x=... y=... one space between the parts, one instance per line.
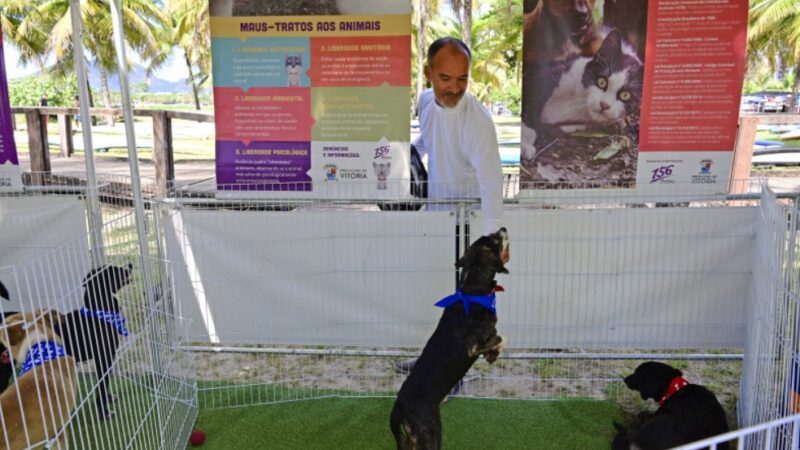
x=743 y=154
x=38 y=147
x=162 y=152
x=65 y=136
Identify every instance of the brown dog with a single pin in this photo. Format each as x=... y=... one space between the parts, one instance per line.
x=465 y=332
x=36 y=407
x=555 y=29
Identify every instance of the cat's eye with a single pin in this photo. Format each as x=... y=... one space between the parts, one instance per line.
x=624 y=96
x=602 y=82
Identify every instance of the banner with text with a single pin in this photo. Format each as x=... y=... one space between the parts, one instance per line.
x=312 y=99
x=635 y=94
x=10 y=177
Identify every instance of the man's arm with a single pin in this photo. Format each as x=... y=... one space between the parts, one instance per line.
x=485 y=158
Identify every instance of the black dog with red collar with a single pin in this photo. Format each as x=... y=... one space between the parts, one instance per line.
x=688 y=412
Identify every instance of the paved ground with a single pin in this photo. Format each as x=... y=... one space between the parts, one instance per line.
x=189 y=173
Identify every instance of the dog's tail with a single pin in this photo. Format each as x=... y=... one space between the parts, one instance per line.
x=396 y=424
x=620 y=441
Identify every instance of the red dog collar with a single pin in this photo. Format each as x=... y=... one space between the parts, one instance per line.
x=675 y=385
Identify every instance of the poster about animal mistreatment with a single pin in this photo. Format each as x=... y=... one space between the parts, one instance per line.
x=10 y=178
x=641 y=95
x=312 y=98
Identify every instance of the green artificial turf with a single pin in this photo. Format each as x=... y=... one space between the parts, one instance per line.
x=363 y=423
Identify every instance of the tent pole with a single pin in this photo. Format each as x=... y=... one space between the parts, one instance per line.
x=92 y=194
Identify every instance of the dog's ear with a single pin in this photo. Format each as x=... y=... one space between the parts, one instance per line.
x=49 y=317
x=472 y=253
x=90 y=277
x=4 y=292
x=14 y=330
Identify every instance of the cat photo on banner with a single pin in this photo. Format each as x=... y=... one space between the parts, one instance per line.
x=583 y=66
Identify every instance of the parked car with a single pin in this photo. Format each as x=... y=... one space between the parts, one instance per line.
x=774 y=101
x=751 y=104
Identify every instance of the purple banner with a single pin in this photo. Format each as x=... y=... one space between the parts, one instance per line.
x=263 y=165
x=10 y=179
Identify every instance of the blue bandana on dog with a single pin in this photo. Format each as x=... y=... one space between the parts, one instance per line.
x=114 y=318
x=487 y=301
x=40 y=353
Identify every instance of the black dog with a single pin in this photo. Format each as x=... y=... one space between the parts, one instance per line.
x=93 y=331
x=465 y=331
x=688 y=412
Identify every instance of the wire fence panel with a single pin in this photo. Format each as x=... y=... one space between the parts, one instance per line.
x=781 y=433
x=239 y=302
x=771 y=377
x=296 y=300
x=144 y=394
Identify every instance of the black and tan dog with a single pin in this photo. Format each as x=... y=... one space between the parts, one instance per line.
x=39 y=404
x=93 y=331
x=688 y=412
x=466 y=330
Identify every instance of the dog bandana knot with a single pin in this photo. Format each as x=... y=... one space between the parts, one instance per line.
x=675 y=385
x=487 y=301
x=40 y=353
x=114 y=318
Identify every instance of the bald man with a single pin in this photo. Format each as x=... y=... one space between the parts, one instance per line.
x=458 y=135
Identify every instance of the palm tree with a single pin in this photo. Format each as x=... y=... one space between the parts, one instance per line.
x=463 y=11
x=774 y=34
x=423 y=12
x=29 y=41
x=189 y=29
x=496 y=47
x=141 y=20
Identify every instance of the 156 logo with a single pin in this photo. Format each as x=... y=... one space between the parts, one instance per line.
x=382 y=151
x=661 y=173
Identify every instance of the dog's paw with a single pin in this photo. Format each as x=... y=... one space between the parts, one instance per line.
x=492 y=348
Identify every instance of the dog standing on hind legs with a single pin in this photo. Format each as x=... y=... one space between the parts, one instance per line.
x=465 y=331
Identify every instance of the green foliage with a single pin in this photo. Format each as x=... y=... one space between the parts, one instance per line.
x=511 y=96
x=60 y=90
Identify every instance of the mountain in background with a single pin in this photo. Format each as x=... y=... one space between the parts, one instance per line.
x=137 y=75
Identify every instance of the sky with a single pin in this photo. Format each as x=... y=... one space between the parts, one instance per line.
x=174 y=70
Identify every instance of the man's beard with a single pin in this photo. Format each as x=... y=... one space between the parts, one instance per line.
x=450 y=100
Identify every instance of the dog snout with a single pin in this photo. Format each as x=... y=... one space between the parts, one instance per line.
x=631 y=382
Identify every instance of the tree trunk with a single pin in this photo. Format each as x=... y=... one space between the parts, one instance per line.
x=192 y=81
x=422 y=48
x=795 y=85
x=92 y=119
x=467 y=22
x=106 y=95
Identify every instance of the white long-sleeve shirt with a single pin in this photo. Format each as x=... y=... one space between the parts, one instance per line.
x=463 y=158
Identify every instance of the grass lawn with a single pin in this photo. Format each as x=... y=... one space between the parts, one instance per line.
x=363 y=423
x=775 y=137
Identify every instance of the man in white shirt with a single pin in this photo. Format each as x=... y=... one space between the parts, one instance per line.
x=458 y=135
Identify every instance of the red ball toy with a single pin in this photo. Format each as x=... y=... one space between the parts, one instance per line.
x=197 y=438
